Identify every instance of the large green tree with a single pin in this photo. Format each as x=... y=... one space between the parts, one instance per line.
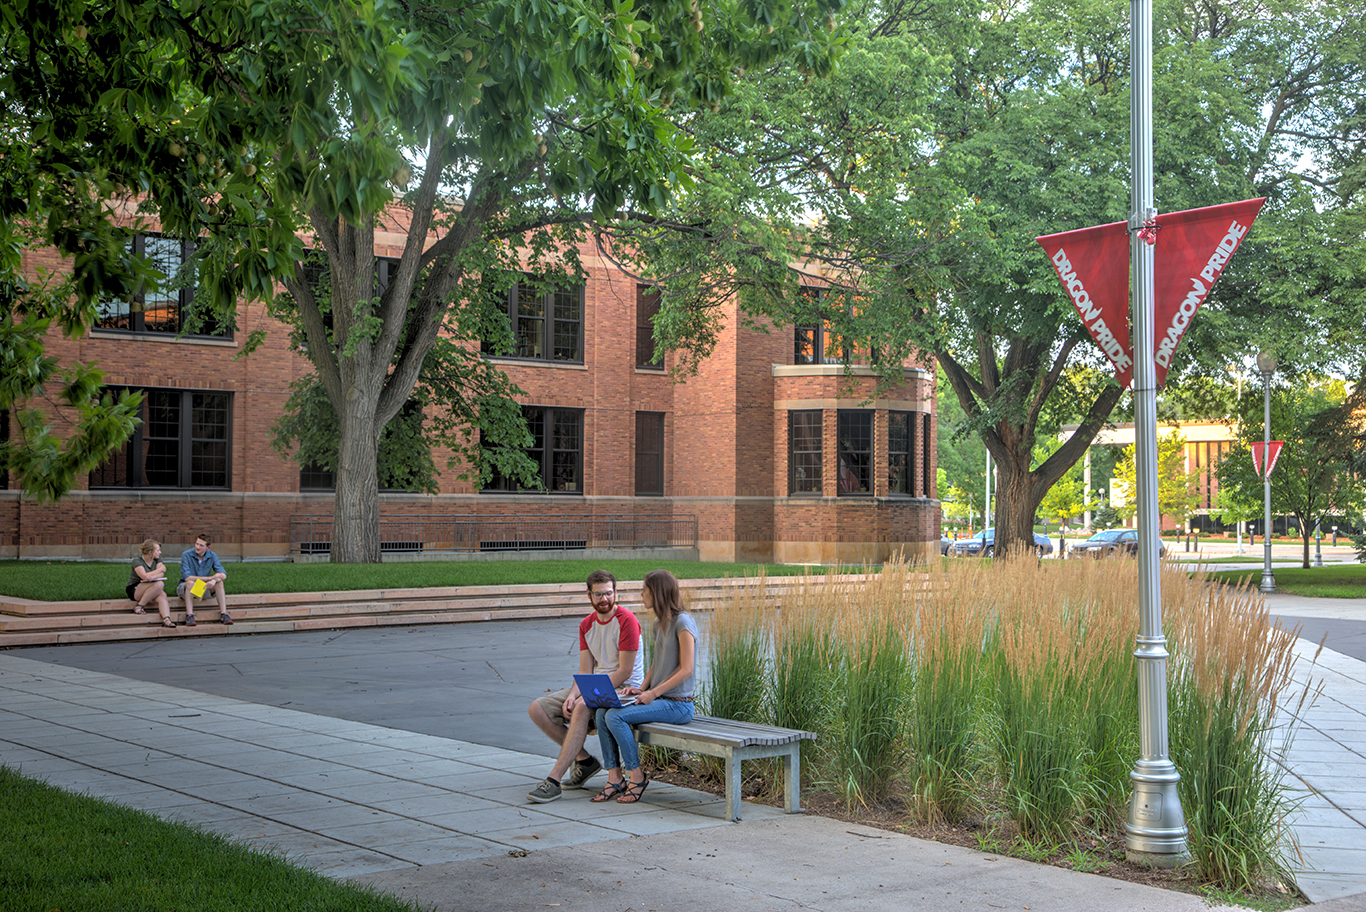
x=493 y=127
x=1319 y=471
x=960 y=130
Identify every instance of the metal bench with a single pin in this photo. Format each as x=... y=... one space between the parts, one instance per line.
x=735 y=742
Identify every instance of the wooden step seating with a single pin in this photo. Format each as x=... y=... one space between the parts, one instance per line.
x=24 y=622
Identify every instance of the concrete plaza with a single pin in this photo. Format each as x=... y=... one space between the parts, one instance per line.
x=402 y=757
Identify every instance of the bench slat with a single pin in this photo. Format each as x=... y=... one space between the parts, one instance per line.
x=735 y=742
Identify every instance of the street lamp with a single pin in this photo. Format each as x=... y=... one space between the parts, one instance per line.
x=1266 y=363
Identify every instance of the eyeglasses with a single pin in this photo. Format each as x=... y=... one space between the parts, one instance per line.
x=606 y=593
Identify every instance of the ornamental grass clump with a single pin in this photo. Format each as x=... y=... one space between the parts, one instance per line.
x=948 y=629
x=737 y=684
x=804 y=658
x=1036 y=740
x=1104 y=602
x=868 y=737
x=1230 y=677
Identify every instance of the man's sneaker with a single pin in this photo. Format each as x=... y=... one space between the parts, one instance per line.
x=189 y=620
x=546 y=791
x=580 y=771
x=225 y=618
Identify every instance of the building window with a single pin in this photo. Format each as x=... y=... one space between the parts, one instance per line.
x=557 y=447
x=165 y=309
x=315 y=478
x=647 y=308
x=649 y=453
x=394 y=468
x=182 y=442
x=546 y=325
x=318 y=277
x=814 y=343
x=900 y=446
x=804 y=452
x=855 y=452
x=927 y=479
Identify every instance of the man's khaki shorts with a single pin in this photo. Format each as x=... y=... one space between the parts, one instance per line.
x=553 y=705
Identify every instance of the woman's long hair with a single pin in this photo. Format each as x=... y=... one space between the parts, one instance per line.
x=665 y=596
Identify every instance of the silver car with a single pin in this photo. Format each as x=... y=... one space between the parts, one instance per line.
x=1111 y=543
x=983 y=544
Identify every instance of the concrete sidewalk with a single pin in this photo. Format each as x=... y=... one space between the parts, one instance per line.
x=419 y=806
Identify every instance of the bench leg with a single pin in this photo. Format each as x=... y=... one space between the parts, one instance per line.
x=732 y=786
x=792 y=779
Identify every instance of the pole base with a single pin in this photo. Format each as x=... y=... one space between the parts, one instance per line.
x=1156 y=825
x=1157 y=860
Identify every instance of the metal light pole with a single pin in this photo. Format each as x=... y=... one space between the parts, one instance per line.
x=1266 y=363
x=1318 y=545
x=1155 y=831
x=986 y=504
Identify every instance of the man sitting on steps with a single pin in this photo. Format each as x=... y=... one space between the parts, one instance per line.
x=609 y=643
x=198 y=565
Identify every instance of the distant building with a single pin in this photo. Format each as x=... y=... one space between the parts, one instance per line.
x=768 y=453
x=1207 y=443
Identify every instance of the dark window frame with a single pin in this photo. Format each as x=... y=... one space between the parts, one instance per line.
x=152 y=452
x=926 y=467
x=314 y=478
x=548 y=327
x=901 y=454
x=649 y=462
x=810 y=340
x=134 y=313
x=551 y=428
x=854 y=463
x=647 y=309
x=800 y=425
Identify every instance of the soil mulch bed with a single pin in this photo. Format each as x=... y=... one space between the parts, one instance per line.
x=1105 y=857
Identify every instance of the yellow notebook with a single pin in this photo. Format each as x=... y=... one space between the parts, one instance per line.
x=198 y=588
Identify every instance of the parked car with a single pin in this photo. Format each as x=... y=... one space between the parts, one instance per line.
x=944 y=542
x=1111 y=542
x=983 y=544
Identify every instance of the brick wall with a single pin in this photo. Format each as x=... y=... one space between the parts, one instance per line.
x=725 y=449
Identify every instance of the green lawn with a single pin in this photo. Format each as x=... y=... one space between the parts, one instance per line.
x=60 y=851
x=81 y=580
x=1329 y=581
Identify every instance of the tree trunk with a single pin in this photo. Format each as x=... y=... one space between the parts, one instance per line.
x=1017 y=502
x=355 y=520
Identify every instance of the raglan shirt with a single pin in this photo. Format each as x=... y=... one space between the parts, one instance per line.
x=605 y=641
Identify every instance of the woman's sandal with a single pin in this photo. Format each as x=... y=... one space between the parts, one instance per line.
x=138 y=609
x=633 y=793
x=609 y=791
x=167 y=622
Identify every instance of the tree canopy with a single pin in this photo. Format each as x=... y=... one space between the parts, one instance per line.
x=957 y=131
x=499 y=127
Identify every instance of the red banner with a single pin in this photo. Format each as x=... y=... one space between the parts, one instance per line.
x=1275 y=447
x=1193 y=247
x=1093 y=264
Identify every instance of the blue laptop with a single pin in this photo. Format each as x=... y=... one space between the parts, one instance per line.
x=598 y=692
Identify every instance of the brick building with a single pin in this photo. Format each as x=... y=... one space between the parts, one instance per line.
x=771 y=451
